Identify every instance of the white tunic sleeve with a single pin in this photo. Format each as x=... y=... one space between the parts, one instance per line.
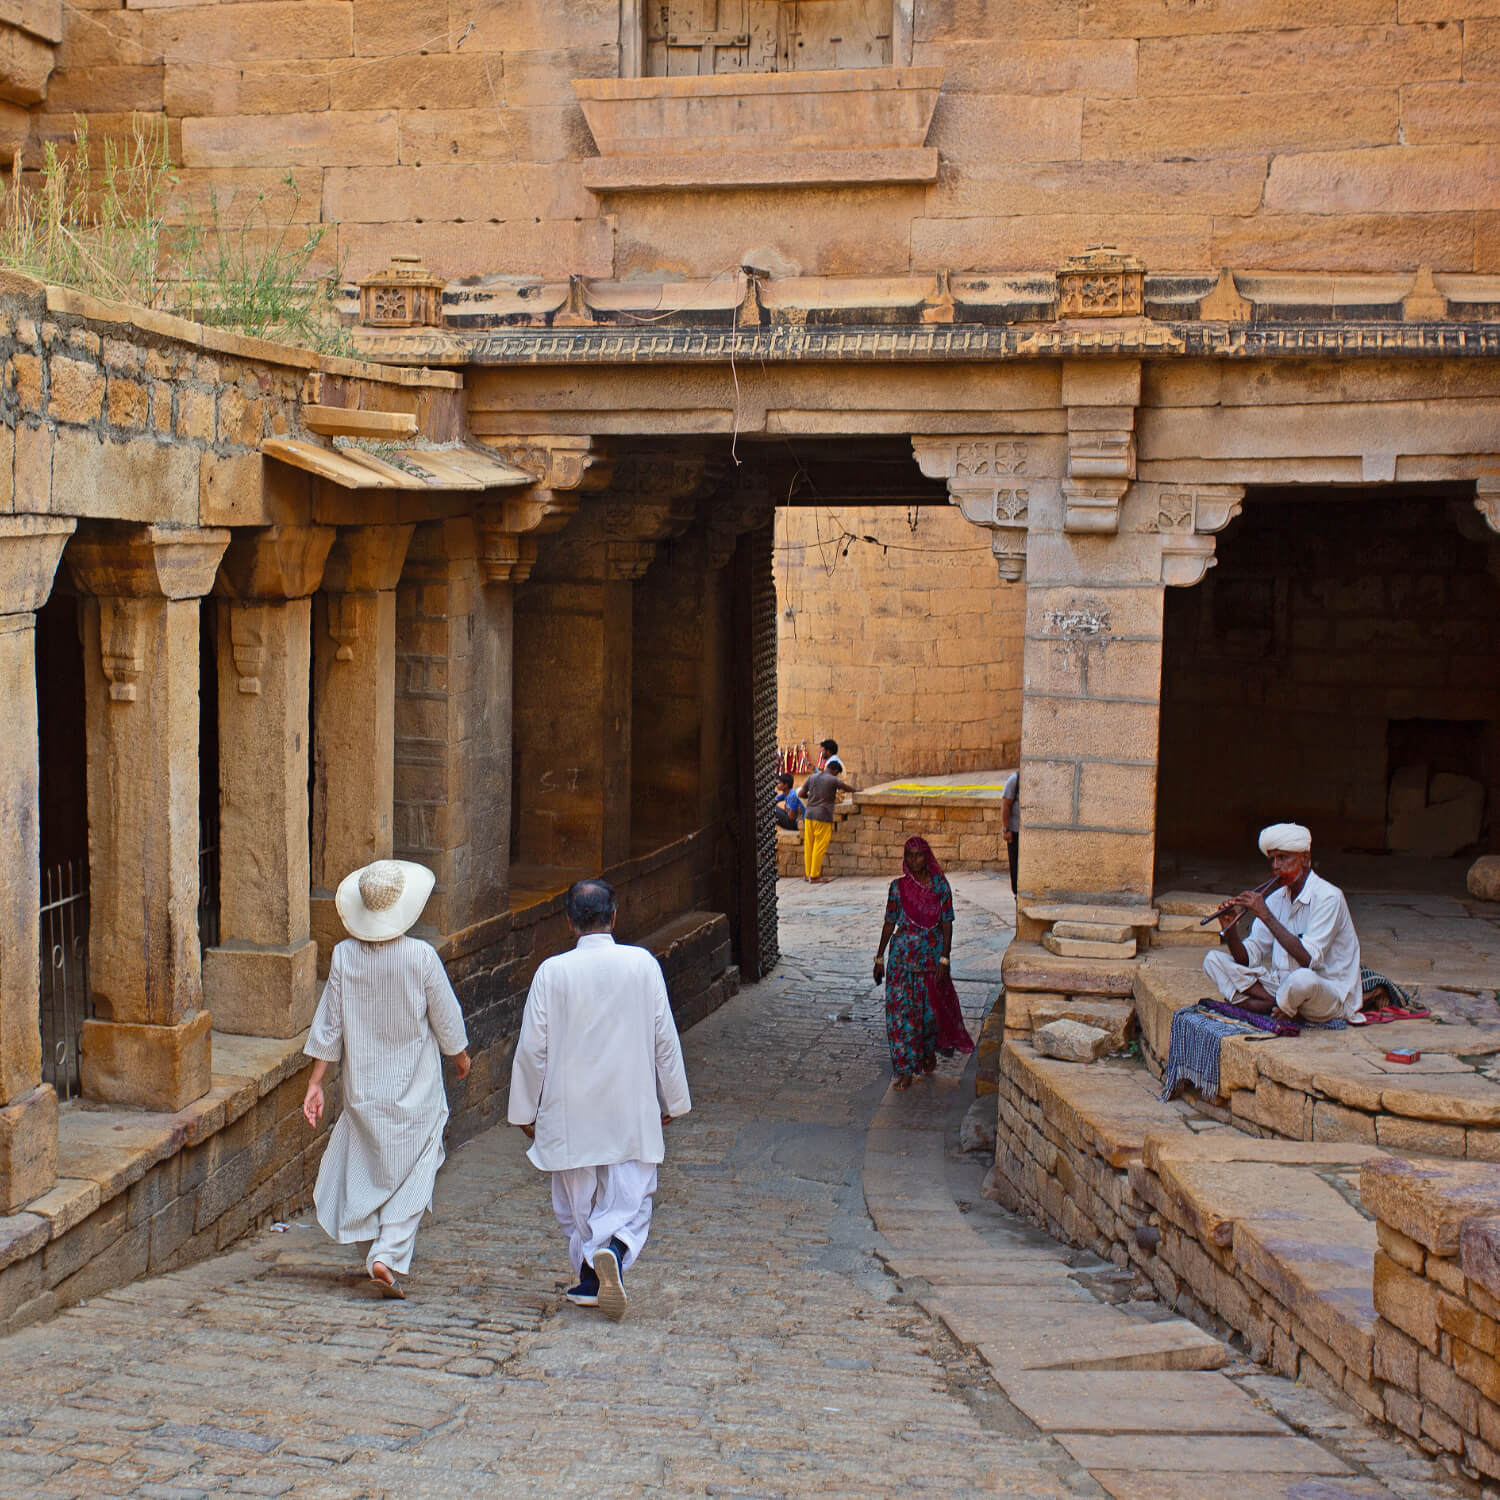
x=325 y=1040
x=671 y=1077
x=443 y=1013
x=530 y=1065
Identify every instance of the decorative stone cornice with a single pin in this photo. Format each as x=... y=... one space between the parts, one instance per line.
x=991 y=480
x=1100 y=304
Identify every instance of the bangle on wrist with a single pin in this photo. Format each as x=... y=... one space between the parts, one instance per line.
x=944 y=960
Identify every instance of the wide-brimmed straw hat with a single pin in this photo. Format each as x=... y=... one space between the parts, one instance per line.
x=383 y=899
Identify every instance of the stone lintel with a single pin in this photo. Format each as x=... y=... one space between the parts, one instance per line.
x=30 y=547
x=149 y=1067
x=28 y=1147
x=274 y=562
x=147 y=562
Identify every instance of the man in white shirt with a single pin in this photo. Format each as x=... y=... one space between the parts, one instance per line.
x=597 y=1073
x=1302 y=956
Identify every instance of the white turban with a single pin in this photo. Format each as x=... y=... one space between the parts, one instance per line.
x=1289 y=838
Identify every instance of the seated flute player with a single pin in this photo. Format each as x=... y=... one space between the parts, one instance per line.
x=1301 y=957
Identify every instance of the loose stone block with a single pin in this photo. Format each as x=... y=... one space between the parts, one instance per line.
x=1484 y=878
x=1070 y=1041
x=1067 y=947
x=1094 y=932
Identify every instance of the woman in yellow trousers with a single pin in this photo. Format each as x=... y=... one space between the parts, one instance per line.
x=818 y=794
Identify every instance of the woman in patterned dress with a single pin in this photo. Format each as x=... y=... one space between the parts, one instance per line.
x=922 y=1017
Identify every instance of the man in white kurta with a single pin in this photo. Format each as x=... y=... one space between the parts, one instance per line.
x=389 y=1014
x=597 y=1072
x=1301 y=957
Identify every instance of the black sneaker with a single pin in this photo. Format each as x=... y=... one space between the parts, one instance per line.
x=608 y=1267
x=586 y=1293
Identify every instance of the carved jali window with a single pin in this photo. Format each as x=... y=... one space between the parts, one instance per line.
x=685 y=38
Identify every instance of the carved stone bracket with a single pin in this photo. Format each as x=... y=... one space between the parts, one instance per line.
x=566 y=469
x=1487 y=499
x=559 y=463
x=247 y=642
x=990 y=479
x=130 y=570
x=1186 y=517
x=731 y=516
x=122 y=644
x=30 y=548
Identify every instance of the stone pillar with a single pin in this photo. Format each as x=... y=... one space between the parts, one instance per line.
x=149 y=1042
x=453 y=724
x=354 y=715
x=30 y=547
x=261 y=979
x=574 y=644
x=1092 y=671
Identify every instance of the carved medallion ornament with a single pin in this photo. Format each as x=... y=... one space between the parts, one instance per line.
x=404 y=295
x=1101 y=283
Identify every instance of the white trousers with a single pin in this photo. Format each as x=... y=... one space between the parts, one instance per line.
x=1298 y=992
x=596 y=1204
x=394 y=1243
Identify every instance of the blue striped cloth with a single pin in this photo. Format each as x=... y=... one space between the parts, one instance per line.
x=1193 y=1051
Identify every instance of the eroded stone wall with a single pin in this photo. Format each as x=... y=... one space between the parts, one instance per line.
x=1268 y=135
x=907 y=653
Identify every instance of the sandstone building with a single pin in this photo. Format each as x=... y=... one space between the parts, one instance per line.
x=1130 y=288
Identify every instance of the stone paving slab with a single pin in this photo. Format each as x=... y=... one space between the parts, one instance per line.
x=1110 y=1401
x=1201 y=1453
x=1159 y=1485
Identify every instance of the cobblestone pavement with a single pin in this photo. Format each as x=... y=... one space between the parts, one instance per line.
x=767 y=1351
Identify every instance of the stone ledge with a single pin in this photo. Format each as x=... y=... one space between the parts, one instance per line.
x=709 y=171
x=1029 y=966
x=1429 y=1201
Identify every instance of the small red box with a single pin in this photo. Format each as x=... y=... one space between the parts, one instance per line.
x=1403 y=1054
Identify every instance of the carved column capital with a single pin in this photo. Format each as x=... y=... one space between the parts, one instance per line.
x=30 y=549
x=366 y=559
x=274 y=562
x=559 y=463
x=730 y=516
x=991 y=480
x=147 y=562
x=1186 y=517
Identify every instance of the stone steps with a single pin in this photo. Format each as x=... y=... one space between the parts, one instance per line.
x=1265 y=1237
x=1258 y=1237
x=1338 y=1085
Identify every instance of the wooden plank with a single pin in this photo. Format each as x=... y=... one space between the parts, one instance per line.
x=342 y=421
x=323 y=462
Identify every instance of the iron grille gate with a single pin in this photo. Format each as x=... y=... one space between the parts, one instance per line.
x=65 y=1002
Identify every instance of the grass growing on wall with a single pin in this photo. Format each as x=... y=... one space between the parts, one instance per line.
x=111 y=223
